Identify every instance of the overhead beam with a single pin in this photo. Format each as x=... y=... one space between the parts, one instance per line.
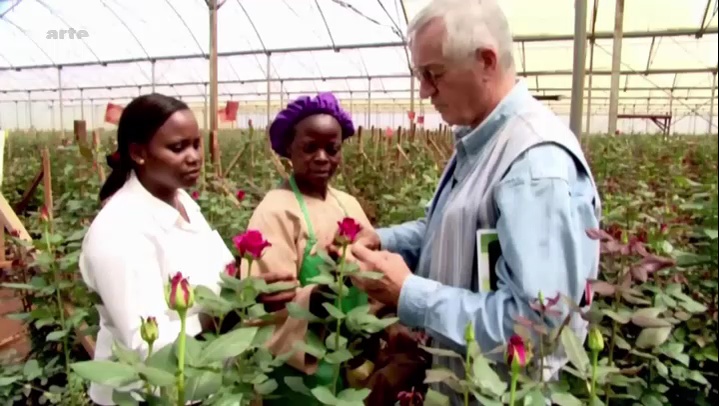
x=338 y=93
x=681 y=32
x=286 y=92
x=538 y=89
x=363 y=77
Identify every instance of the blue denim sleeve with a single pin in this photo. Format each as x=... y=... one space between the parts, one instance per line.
x=545 y=206
x=404 y=239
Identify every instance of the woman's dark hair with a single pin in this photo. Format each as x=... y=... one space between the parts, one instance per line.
x=139 y=122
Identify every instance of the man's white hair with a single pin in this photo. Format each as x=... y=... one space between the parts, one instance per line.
x=470 y=25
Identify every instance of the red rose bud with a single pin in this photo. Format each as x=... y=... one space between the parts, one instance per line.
x=149 y=330
x=516 y=353
x=179 y=295
x=195 y=195
x=250 y=244
x=588 y=296
x=240 y=195
x=231 y=269
x=44 y=214
x=348 y=230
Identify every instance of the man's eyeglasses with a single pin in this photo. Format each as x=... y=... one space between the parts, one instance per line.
x=427 y=75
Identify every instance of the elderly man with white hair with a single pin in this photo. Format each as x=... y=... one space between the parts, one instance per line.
x=516 y=168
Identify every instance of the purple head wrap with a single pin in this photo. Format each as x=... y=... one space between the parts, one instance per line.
x=324 y=103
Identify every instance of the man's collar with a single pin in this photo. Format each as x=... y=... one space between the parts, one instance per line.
x=470 y=141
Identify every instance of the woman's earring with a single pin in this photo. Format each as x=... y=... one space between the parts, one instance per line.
x=141 y=162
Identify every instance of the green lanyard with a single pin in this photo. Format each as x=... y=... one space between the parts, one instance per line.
x=306 y=213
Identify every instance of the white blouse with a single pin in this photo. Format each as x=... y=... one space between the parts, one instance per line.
x=134 y=245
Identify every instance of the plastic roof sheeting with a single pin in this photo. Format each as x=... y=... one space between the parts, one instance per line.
x=127 y=34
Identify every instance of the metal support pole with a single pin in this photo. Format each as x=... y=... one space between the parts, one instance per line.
x=269 y=86
x=580 y=56
x=207 y=116
x=368 y=120
x=92 y=114
x=590 y=77
x=82 y=106
x=711 y=103
x=152 y=66
x=17 y=116
x=29 y=110
x=411 y=97
x=282 y=94
x=213 y=64
x=589 y=90
x=60 y=101
x=53 y=127
x=616 y=62
x=671 y=110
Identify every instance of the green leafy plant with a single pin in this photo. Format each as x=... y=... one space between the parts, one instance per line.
x=665 y=197
x=339 y=335
x=223 y=367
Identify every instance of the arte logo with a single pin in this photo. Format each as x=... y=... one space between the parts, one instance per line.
x=69 y=33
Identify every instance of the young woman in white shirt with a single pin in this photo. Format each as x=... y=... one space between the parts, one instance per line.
x=149 y=229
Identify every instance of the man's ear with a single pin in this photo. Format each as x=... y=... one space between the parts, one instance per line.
x=488 y=57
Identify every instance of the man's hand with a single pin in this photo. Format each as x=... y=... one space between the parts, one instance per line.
x=395 y=270
x=366 y=238
x=277 y=300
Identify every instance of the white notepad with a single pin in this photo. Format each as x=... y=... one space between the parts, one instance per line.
x=488 y=252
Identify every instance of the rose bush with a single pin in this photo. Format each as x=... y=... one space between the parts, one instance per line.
x=657 y=313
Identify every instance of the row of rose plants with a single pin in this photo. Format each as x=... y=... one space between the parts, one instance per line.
x=236 y=367
x=683 y=297
x=239 y=295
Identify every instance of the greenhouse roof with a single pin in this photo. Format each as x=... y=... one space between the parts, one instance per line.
x=112 y=49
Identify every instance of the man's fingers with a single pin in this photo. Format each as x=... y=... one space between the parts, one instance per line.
x=361 y=283
x=364 y=254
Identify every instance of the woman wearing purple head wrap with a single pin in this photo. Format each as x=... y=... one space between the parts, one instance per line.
x=300 y=217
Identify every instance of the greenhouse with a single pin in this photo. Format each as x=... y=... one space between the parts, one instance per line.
x=270 y=202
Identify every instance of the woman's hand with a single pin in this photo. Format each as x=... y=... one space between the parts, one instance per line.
x=277 y=300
